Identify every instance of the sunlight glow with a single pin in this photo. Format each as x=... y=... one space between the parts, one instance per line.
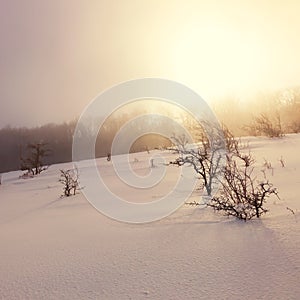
x=219 y=59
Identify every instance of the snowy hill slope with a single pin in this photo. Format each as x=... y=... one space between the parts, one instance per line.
x=62 y=248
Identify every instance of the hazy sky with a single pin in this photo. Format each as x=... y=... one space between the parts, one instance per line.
x=56 y=56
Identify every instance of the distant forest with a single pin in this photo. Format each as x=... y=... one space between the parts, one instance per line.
x=282 y=106
x=59 y=138
x=14 y=142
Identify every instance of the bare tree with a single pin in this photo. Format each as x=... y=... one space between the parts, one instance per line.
x=33 y=164
x=241 y=196
x=70 y=181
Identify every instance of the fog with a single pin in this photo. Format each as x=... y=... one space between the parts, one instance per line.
x=233 y=113
x=56 y=56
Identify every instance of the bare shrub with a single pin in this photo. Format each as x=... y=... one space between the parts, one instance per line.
x=232 y=143
x=264 y=125
x=204 y=157
x=267 y=164
x=294 y=127
x=70 y=181
x=241 y=195
x=282 y=162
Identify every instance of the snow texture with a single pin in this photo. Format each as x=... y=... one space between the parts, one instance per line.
x=63 y=248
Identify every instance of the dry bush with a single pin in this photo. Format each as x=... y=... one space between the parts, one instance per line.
x=282 y=162
x=232 y=143
x=294 y=127
x=205 y=157
x=241 y=194
x=264 y=125
x=70 y=181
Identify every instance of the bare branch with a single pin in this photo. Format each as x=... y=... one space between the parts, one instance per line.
x=70 y=181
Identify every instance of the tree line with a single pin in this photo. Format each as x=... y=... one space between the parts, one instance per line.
x=14 y=144
x=17 y=143
x=271 y=114
x=277 y=109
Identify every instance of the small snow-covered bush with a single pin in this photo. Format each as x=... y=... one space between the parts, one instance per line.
x=70 y=181
x=241 y=195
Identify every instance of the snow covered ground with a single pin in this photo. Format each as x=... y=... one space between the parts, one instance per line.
x=63 y=248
